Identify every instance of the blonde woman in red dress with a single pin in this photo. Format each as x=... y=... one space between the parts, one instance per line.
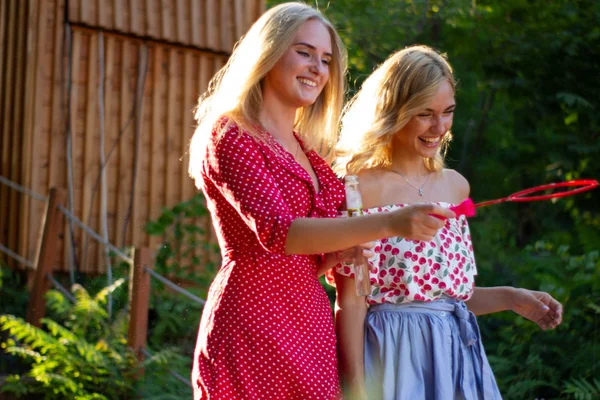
x=267 y=330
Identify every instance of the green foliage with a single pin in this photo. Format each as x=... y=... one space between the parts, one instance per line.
x=583 y=389
x=159 y=382
x=182 y=239
x=546 y=359
x=174 y=318
x=13 y=296
x=84 y=356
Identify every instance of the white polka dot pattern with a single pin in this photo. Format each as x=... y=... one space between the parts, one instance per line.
x=267 y=328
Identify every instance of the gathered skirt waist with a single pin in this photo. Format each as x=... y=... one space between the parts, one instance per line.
x=442 y=307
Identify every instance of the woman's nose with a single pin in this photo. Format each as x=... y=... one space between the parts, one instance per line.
x=438 y=125
x=317 y=66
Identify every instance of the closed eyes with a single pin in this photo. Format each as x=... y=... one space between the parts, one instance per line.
x=429 y=114
x=307 y=55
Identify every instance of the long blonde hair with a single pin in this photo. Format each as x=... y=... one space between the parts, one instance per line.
x=235 y=91
x=394 y=93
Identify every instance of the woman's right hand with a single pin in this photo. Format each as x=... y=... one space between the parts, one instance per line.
x=416 y=222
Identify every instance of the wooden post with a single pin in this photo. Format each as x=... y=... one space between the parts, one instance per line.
x=46 y=256
x=139 y=300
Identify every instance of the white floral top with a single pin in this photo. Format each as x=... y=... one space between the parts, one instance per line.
x=403 y=270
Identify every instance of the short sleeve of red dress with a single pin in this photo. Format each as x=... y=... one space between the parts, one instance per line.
x=236 y=166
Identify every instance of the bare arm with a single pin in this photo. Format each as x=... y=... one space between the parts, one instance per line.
x=538 y=307
x=325 y=235
x=350 y=313
x=487 y=300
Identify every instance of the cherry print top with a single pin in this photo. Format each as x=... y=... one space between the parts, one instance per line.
x=267 y=328
x=403 y=270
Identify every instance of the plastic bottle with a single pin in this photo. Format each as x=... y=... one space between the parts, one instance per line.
x=360 y=264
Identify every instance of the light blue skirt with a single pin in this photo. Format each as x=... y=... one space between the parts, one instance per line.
x=429 y=351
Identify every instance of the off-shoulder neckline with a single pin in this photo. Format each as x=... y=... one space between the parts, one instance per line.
x=440 y=203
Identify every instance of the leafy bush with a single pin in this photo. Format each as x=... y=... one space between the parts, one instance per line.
x=174 y=318
x=13 y=294
x=181 y=239
x=582 y=389
x=84 y=356
x=562 y=361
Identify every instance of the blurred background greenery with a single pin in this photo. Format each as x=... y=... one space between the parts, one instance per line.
x=527 y=114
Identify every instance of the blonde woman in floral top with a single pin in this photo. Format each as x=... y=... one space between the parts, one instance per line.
x=413 y=337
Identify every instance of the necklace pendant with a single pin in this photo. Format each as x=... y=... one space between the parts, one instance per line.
x=421 y=192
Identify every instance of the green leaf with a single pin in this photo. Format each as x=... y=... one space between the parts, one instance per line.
x=572 y=118
x=155 y=228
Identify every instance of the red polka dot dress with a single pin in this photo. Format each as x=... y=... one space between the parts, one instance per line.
x=267 y=328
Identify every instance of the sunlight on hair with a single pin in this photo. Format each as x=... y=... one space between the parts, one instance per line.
x=387 y=100
x=235 y=91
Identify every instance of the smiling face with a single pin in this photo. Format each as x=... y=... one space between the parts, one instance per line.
x=302 y=72
x=424 y=133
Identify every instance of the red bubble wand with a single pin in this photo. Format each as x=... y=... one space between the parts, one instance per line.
x=467 y=207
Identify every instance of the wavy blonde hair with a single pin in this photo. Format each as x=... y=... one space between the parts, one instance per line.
x=235 y=91
x=394 y=93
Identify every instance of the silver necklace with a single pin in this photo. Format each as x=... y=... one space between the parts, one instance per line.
x=418 y=189
x=264 y=130
x=297 y=147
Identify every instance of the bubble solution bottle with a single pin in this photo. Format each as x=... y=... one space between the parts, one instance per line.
x=361 y=266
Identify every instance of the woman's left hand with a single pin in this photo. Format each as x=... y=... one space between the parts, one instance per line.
x=344 y=256
x=538 y=307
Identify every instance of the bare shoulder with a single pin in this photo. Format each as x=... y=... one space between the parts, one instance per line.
x=369 y=177
x=459 y=183
x=369 y=183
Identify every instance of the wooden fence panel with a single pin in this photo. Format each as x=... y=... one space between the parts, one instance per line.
x=37 y=158
x=13 y=30
x=208 y=24
x=160 y=178
x=165 y=50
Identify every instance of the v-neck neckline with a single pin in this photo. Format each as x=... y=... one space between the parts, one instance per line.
x=292 y=160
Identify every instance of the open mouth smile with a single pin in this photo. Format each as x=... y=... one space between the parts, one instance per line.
x=430 y=141
x=307 y=82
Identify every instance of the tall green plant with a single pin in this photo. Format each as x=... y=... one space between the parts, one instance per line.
x=83 y=354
